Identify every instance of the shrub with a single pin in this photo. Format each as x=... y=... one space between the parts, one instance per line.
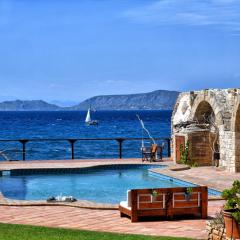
x=232 y=196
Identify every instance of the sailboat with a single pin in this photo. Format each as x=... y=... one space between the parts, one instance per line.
x=88 y=119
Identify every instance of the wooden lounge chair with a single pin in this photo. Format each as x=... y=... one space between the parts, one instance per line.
x=166 y=202
x=150 y=154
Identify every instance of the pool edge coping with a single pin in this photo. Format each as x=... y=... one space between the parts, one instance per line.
x=79 y=203
x=84 y=203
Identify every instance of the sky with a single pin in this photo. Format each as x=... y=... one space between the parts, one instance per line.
x=69 y=50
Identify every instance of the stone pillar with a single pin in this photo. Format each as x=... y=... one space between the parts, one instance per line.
x=229 y=150
x=223 y=150
x=237 y=151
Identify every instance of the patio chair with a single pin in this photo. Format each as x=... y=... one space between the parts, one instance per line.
x=150 y=154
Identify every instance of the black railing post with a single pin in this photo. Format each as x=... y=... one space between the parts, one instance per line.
x=169 y=147
x=72 y=141
x=23 y=142
x=120 y=141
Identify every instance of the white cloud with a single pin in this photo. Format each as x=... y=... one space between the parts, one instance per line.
x=221 y=13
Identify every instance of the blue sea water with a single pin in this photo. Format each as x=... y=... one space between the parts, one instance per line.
x=70 y=124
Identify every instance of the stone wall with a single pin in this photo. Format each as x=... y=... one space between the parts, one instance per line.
x=236 y=152
x=215 y=232
x=224 y=104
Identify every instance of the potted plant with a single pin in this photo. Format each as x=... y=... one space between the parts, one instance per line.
x=188 y=193
x=154 y=195
x=231 y=211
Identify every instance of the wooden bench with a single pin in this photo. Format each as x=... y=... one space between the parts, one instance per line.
x=168 y=202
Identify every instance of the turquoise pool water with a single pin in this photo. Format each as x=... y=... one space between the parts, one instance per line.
x=106 y=184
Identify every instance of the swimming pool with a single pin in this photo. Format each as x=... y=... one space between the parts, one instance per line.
x=103 y=184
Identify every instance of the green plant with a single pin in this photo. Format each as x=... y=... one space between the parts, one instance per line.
x=188 y=193
x=232 y=196
x=189 y=190
x=184 y=153
x=154 y=193
x=185 y=156
x=194 y=164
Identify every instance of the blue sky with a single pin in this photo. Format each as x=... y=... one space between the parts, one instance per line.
x=69 y=50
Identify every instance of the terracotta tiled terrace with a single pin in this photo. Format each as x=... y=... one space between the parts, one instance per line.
x=79 y=217
x=103 y=220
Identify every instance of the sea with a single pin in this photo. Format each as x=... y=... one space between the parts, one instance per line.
x=51 y=129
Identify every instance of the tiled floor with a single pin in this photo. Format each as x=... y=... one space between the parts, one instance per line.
x=209 y=176
x=71 y=163
x=103 y=220
x=109 y=220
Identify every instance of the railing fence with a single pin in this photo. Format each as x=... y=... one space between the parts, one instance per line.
x=72 y=143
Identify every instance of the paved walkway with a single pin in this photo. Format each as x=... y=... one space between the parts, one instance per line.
x=210 y=176
x=73 y=163
x=104 y=220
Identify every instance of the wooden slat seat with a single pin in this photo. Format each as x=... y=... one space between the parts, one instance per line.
x=168 y=202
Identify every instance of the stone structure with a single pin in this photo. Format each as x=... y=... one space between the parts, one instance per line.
x=210 y=121
x=216 y=231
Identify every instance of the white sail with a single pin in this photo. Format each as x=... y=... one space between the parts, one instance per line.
x=88 y=117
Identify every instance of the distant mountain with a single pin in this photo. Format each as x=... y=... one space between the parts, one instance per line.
x=157 y=100
x=28 y=105
x=64 y=103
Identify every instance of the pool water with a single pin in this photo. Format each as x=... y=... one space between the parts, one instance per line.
x=98 y=185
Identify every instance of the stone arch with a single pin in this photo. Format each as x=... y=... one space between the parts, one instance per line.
x=237 y=120
x=203 y=111
x=236 y=134
x=234 y=122
x=237 y=139
x=205 y=102
x=204 y=105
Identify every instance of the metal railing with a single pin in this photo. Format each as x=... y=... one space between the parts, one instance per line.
x=72 y=142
